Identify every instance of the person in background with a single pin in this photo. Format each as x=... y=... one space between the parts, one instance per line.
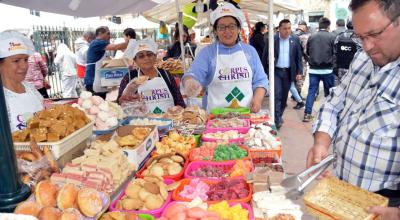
x=192 y=36
x=257 y=38
x=230 y=71
x=37 y=73
x=340 y=27
x=160 y=92
x=303 y=33
x=320 y=51
x=95 y=57
x=81 y=47
x=66 y=61
x=344 y=50
x=360 y=119
x=288 y=66
x=22 y=99
x=129 y=35
x=174 y=50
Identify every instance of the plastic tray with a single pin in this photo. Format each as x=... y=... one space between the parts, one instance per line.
x=218 y=111
x=233 y=140
x=244 y=158
x=243 y=129
x=103 y=132
x=155 y=212
x=172 y=177
x=227 y=166
x=244 y=205
x=163 y=129
x=63 y=146
x=176 y=197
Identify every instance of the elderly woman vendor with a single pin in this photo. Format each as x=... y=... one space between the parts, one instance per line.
x=230 y=71
x=160 y=92
x=22 y=98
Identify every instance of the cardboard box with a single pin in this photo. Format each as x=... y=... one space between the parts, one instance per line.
x=112 y=72
x=138 y=155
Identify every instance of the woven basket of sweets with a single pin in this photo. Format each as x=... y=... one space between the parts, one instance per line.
x=335 y=199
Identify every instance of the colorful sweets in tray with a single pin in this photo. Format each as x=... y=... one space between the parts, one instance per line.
x=235 y=212
x=214 y=171
x=175 y=142
x=219 y=153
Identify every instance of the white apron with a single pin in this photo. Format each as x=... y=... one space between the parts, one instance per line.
x=21 y=107
x=232 y=80
x=96 y=84
x=156 y=94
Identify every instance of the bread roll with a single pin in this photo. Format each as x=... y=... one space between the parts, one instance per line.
x=89 y=202
x=49 y=213
x=28 y=208
x=46 y=193
x=66 y=197
x=71 y=214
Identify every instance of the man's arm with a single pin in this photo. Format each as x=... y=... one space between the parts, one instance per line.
x=299 y=60
x=120 y=46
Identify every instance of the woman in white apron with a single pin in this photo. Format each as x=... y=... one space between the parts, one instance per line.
x=160 y=92
x=230 y=70
x=22 y=98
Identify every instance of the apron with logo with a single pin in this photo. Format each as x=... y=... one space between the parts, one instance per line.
x=21 y=108
x=232 y=81
x=156 y=94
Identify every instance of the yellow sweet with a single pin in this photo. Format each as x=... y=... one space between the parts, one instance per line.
x=235 y=212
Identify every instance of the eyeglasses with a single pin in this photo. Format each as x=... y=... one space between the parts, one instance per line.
x=372 y=36
x=230 y=27
x=143 y=55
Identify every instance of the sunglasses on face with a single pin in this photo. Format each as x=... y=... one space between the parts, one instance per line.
x=143 y=55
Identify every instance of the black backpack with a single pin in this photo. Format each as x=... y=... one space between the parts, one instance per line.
x=345 y=50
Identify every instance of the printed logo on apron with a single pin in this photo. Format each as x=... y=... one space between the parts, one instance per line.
x=232 y=81
x=156 y=94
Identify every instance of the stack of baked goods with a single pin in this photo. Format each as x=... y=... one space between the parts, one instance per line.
x=170 y=65
x=103 y=167
x=131 y=136
x=119 y=216
x=36 y=165
x=148 y=193
x=66 y=203
x=175 y=143
x=52 y=124
x=164 y=165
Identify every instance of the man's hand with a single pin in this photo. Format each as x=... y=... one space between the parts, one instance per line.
x=255 y=105
x=386 y=213
x=299 y=77
x=129 y=98
x=319 y=150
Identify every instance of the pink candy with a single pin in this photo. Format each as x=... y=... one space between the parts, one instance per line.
x=97 y=100
x=196 y=188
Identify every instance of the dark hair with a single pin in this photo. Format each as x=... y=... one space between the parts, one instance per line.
x=129 y=32
x=340 y=22
x=324 y=23
x=391 y=8
x=349 y=25
x=284 y=21
x=176 y=34
x=101 y=30
x=302 y=23
x=258 y=26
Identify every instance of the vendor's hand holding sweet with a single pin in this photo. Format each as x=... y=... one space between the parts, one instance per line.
x=386 y=213
x=127 y=97
x=256 y=102
x=192 y=87
x=319 y=150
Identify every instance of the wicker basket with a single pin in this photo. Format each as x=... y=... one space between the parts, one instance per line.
x=335 y=199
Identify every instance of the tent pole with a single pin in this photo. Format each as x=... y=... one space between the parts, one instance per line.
x=180 y=19
x=271 y=63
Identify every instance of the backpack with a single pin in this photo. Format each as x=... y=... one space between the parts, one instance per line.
x=345 y=50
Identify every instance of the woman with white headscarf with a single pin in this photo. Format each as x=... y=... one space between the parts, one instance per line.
x=22 y=98
x=66 y=60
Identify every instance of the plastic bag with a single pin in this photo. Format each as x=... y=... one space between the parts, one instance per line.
x=35 y=171
x=131 y=102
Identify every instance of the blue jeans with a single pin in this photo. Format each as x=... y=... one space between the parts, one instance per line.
x=295 y=93
x=327 y=79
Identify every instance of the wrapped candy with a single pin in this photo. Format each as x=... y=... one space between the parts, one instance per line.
x=87 y=104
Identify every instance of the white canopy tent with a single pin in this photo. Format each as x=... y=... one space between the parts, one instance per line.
x=140 y=22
